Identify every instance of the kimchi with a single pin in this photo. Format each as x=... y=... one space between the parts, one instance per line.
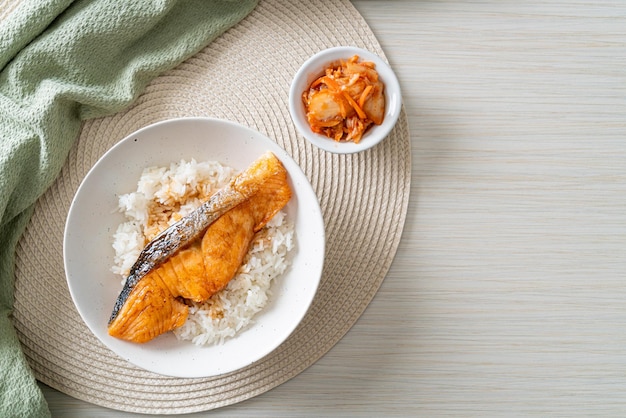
x=346 y=100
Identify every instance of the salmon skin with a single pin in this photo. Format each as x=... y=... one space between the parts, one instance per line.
x=198 y=255
x=176 y=236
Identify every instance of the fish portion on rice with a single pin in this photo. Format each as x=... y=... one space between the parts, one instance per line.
x=192 y=292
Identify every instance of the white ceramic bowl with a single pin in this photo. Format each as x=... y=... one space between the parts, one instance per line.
x=93 y=219
x=313 y=68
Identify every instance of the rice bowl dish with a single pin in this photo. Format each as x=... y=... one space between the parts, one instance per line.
x=94 y=218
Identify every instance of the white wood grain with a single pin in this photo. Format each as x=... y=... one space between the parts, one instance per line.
x=507 y=296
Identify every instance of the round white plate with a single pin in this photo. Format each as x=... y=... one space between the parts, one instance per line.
x=93 y=218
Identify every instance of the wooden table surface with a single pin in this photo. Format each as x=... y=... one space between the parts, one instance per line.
x=508 y=292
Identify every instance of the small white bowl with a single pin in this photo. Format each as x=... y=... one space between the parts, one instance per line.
x=313 y=68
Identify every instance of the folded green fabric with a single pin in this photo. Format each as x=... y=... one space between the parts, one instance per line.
x=62 y=62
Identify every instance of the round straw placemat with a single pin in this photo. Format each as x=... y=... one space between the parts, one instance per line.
x=243 y=76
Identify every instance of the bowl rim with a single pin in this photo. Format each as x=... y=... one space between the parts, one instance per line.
x=313 y=67
x=314 y=266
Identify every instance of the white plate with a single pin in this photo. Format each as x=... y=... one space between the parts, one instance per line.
x=92 y=220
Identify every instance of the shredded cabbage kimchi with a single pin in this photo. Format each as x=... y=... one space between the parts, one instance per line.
x=344 y=102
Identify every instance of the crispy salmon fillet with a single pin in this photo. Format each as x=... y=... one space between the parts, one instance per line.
x=154 y=304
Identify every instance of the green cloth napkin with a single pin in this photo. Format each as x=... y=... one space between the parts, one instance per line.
x=62 y=62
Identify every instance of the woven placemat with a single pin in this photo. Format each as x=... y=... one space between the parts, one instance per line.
x=243 y=76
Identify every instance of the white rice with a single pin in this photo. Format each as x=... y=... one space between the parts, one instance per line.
x=163 y=196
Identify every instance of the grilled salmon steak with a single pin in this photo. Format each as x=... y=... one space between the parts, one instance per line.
x=197 y=256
